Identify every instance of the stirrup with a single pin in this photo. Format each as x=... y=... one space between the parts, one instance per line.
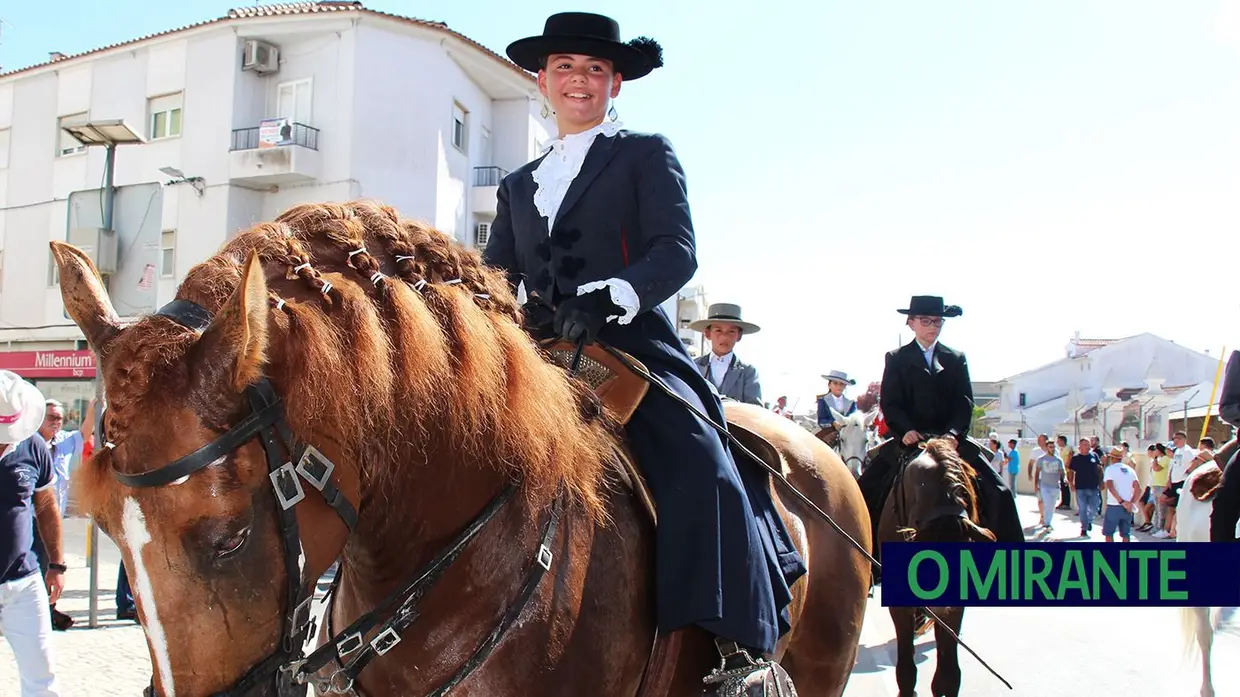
x=742 y=675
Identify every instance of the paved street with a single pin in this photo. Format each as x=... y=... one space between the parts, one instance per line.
x=1055 y=651
x=1043 y=651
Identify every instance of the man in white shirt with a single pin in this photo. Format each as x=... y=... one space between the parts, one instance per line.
x=1122 y=494
x=1181 y=459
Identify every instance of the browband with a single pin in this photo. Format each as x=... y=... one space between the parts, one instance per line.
x=188 y=314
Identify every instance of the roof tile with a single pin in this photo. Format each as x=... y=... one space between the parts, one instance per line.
x=278 y=10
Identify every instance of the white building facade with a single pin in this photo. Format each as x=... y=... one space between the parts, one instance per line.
x=260 y=110
x=1126 y=388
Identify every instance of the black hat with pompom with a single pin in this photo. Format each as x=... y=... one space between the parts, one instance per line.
x=588 y=34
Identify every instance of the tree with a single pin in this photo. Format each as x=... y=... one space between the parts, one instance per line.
x=978 y=428
x=868 y=400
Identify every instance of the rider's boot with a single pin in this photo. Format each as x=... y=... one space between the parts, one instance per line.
x=745 y=673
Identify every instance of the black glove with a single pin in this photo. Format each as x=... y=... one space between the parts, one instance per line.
x=538 y=318
x=583 y=316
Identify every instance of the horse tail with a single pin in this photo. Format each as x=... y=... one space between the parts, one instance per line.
x=1197 y=625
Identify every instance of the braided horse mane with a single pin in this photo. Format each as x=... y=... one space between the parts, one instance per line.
x=389 y=333
x=956 y=478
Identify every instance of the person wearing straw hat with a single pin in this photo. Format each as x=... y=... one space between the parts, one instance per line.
x=27 y=499
x=926 y=392
x=598 y=231
x=834 y=399
x=730 y=376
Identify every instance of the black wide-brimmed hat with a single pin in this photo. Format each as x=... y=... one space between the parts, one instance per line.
x=930 y=306
x=588 y=34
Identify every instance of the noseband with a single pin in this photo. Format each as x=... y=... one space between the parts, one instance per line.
x=291 y=669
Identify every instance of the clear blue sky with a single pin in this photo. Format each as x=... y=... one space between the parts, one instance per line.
x=1053 y=166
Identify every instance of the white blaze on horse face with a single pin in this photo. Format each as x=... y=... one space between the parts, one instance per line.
x=853 y=440
x=136 y=536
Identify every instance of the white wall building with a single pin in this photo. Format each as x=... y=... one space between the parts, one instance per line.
x=1101 y=388
x=691 y=306
x=377 y=106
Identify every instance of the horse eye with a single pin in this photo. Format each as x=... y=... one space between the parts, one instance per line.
x=231 y=545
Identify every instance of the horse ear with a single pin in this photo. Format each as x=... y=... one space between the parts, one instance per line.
x=235 y=345
x=86 y=301
x=870 y=416
x=835 y=415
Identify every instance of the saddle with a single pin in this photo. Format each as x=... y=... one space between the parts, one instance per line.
x=620 y=390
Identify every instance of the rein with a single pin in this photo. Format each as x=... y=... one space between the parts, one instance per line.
x=287 y=664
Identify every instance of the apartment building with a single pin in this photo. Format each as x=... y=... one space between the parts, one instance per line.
x=241 y=117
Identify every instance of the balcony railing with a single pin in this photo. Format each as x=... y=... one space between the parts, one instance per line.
x=489 y=176
x=299 y=134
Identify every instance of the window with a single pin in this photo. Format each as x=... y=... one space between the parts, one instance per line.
x=459 y=129
x=168 y=254
x=4 y=148
x=294 y=101
x=481 y=234
x=165 y=114
x=1022 y=399
x=65 y=143
x=53 y=273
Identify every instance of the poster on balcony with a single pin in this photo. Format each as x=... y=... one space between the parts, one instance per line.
x=273 y=133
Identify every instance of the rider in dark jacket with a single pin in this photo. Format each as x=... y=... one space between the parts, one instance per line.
x=926 y=392
x=599 y=227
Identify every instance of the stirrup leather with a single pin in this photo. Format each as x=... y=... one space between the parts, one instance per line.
x=741 y=675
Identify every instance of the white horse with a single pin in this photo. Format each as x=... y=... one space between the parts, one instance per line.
x=1193 y=525
x=854 y=438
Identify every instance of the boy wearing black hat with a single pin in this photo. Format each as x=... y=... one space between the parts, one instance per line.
x=926 y=392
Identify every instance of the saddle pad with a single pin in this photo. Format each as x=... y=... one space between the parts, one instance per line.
x=618 y=388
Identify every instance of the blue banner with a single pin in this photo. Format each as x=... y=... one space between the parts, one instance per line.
x=1167 y=574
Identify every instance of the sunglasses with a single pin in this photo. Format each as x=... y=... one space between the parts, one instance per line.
x=930 y=321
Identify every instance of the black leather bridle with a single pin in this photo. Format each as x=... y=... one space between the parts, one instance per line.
x=289 y=667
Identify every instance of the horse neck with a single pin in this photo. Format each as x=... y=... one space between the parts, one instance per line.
x=415 y=487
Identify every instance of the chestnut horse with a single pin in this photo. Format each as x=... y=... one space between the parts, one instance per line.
x=932 y=500
x=453 y=466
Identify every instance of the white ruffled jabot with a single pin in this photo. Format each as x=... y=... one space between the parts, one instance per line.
x=560 y=167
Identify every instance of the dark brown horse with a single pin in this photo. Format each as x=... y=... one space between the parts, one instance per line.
x=932 y=500
x=397 y=355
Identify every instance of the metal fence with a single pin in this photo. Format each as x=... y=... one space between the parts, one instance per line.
x=299 y=134
x=489 y=176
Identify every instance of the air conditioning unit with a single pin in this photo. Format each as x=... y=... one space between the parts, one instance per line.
x=481 y=235
x=260 y=57
x=97 y=243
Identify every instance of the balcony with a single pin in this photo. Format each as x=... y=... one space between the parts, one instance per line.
x=273 y=153
x=485 y=190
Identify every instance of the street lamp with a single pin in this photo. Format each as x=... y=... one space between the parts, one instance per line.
x=109 y=133
x=178 y=177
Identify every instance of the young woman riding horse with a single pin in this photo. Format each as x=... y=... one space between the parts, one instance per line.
x=600 y=227
x=346 y=383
